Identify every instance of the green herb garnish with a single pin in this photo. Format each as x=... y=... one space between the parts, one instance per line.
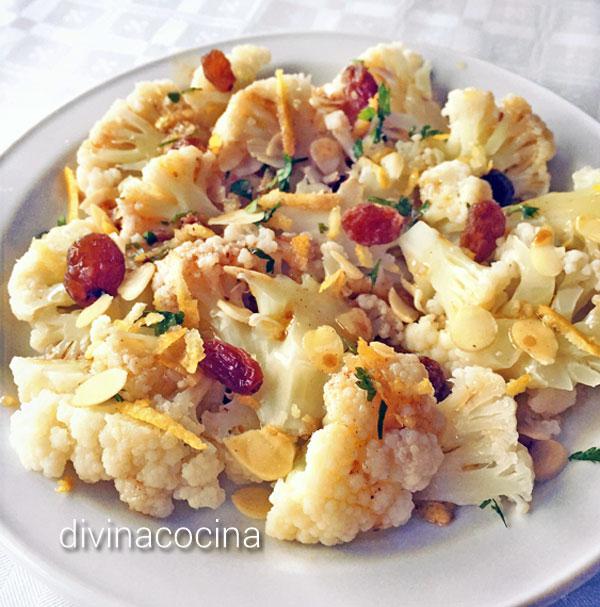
x=357 y=148
x=493 y=504
x=171 y=319
x=381 y=418
x=61 y=221
x=374 y=272
x=118 y=398
x=383 y=110
x=349 y=346
x=419 y=213
x=168 y=141
x=242 y=188
x=270 y=267
x=590 y=455
x=268 y=214
x=527 y=211
x=365 y=382
x=150 y=237
x=252 y=207
x=403 y=206
x=323 y=228
x=282 y=176
x=175 y=96
x=367 y=113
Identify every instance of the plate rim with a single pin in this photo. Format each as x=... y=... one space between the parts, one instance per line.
x=65 y=582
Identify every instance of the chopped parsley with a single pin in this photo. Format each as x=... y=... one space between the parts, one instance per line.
x=349 y=346
x=381 y=418
x=252 y=207
x=374 y=272
x=175 y=96
x=150 y=237
x=268 y=214
x=403 y=206
x=270 y=267
x=118 y=398
x=357 y=148
x=168 y=141
x=419 y=213
x=527 y=211
x=171 y=319
x=61 y=221
x=367 y=113
x=425 y=131
x=493 y=504
x=323 y=227
x=365 y=382
x=383 y=110
x=282 y=176
x=242 y=188
x=590 y=455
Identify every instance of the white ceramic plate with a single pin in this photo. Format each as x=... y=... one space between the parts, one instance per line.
x=474 y=561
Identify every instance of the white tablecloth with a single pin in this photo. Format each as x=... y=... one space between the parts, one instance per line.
x=52 y=50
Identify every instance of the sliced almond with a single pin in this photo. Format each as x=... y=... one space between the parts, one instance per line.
x=93 y=311
x=547 y=260
x=166 y=340
x=284 y=115
x=356 y=323
x=335 y=223
x=267 y=453
x=571 y=333
x=400 y=308
x=324 y=348
x=589 y=227
x=334 y=281
x=364 y=256
x=136 y=281
x=100 y=388
x=252 y=502
x=472 y=328
x=543 y=238
x=101 y=219
x=234 y=312
x=315 y=201
x=351 y=271
x=536 y=339
x=239 y=217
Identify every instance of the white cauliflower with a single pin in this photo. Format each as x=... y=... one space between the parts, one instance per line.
x=451 y=188
x=483 y=458
x=586 y=177
x=441 y=267
x=511 y=136
x=350 y=481
x=178 y=181
x=386 y=325
x=249 y=127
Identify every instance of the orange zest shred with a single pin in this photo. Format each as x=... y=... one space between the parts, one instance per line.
x=301 y=248
x=72 y=194
x=284 y=115
x=572 y=334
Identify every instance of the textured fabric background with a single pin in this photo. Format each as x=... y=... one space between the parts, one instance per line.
x=52 y=50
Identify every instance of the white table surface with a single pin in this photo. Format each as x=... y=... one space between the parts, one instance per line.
x=52 y=50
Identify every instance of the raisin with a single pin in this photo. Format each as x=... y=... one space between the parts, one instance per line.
x=371 y=224
x=232 y=366
x=486 y=222
x=437 y=377
x=163 y=233
x=217 y=70
x=503 y=190
x=249 y=301
x=95 y=265
x=359 y=87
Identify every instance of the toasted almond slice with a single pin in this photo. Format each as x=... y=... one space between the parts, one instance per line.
x=315 y=201
x=543 y=238
x=101 y=219
x=547 y=260
x=351 y=271
x=301 y=247
x=239 y=217
x=252 y=502
x=400 y=308
x=100 y=388
x=472 y=328
x=336 y=281
x=193 y=231
x=141 y=411
x=235 y=312
x=536 y=339
x=324 y=348
x=72 y=195
x=588 y=227
x=364 y=256
x=194 y=351
x=166 y=340
x=335 y=223
x=382 y=349
x=93 y=311
x=356 y=323
x=152 y=318
x=284 y=115
x=136 y=281
x=559 y=323
x=267 y=453
x=518 y=385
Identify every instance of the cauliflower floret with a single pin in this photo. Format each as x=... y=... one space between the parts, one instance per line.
x=451 y=188
x=149 y=467
x=513 y=138
x=250 y=127
x=351 y=481
x=176 y=182
x=483 y=458
x=441 y=267
x=586 y=177
x=386 y=325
